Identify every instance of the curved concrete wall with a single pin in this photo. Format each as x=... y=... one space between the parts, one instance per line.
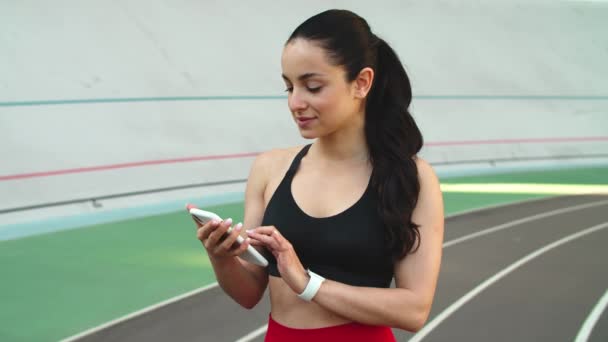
x=150 y=92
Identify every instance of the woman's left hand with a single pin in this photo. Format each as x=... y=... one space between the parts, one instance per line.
x=289 y=265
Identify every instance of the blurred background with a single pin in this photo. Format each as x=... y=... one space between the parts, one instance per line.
x=115 y=114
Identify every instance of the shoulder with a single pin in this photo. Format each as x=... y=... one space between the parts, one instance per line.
x=275 y=160
x=426 y=173
x=430 y=199
x=276 y=157
x=268 y=168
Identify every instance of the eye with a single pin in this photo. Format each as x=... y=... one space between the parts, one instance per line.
x=314 y=90
x=289 y=89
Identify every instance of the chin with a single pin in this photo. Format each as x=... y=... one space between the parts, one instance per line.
x=308 y=134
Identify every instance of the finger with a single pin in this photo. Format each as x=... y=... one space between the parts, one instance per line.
x=281 y=242
x=255 y=242
x=230 y=239
x=266 y=240
x=270 y=231
x=217 y=235
x=241 y=248
x=259 y=245
x=203 y=232
x=267 y=230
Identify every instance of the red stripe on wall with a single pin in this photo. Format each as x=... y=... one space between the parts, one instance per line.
x=253 y=154
x=125 y=165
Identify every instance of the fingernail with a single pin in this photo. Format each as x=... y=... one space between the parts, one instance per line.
x=239 y=226
x=249 y=231
x=228 y=221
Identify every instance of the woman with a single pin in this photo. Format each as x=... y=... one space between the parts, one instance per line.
x=343 y=216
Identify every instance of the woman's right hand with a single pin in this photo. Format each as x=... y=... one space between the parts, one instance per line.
x=218 y=243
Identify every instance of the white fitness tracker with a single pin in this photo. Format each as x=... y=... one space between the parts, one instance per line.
x=312 y=287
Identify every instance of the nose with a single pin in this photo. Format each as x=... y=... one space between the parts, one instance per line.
x=296 y=102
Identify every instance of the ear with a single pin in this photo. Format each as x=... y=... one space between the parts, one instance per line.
x=363 y=82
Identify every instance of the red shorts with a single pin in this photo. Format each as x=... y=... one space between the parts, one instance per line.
x=351 y=332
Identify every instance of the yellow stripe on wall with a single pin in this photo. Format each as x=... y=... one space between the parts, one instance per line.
x=526 y=188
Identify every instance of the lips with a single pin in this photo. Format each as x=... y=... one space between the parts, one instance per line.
x=303 y=122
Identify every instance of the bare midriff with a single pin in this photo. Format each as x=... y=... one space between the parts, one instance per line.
x=289 y=310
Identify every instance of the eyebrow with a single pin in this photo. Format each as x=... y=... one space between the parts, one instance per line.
x=302 y=77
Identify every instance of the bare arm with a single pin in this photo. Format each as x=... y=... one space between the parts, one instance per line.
x=408 y=305
x=241 y=280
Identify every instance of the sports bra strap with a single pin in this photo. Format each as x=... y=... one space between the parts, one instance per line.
x=296 y=161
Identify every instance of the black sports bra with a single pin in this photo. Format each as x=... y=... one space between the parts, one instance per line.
x=349 y=247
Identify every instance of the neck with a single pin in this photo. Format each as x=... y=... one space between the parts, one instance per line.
x=344 y=145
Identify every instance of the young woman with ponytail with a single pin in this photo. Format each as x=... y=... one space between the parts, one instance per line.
x=343 y=216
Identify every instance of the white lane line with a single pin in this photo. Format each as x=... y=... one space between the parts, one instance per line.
x=261 y=330
x=479 y=288
x=585 y=332
x=140 y=312
x=197 y=291
x=522 y=220
x=254 y=334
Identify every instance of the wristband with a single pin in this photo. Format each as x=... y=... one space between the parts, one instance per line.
x=312 y=287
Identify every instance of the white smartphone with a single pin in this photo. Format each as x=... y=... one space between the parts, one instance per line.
x=250 y=254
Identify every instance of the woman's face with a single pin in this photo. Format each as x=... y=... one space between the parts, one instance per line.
x=319 y=97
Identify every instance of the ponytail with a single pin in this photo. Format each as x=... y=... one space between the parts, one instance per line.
x=393 y=140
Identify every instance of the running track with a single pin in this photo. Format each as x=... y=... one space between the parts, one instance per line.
x=529 y=271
